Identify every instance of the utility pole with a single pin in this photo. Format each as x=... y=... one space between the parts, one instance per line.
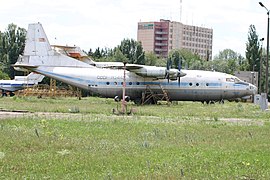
x=124 y=104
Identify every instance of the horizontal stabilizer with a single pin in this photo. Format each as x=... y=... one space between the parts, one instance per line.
x=24 y=66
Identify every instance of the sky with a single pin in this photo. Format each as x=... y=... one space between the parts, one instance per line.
x=105 y=23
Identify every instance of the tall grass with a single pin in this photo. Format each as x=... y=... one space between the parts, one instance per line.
x=184 y=141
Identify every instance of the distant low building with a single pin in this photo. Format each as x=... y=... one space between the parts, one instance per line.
x=163 y=36
x=248 y=76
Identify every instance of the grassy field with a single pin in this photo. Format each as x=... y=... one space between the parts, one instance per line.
x=186 y=140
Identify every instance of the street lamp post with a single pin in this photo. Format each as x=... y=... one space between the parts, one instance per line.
x=267 y=49
x=260 y=84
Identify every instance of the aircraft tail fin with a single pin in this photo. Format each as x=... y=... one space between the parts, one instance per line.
x=37 y=43
x=38 y=52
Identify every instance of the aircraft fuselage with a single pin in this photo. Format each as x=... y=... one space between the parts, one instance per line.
x=195 y=86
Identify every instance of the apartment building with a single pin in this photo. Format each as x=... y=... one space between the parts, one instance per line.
x=163 y=36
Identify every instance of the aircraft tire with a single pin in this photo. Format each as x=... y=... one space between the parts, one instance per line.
x=221 y=101
x=212 y=102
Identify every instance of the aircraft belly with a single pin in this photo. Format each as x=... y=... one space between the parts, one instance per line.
x=118 y=91
x=187 y=94
x=12 y=87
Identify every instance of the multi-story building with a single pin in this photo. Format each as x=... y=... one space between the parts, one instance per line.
x=164 y=36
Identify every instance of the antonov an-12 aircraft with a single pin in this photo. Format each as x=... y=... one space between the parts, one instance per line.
x=19 y=82
x=180 y=85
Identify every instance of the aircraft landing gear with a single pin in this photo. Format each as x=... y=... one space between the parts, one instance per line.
x=4 y=93
x=221 y=101
x=213 y=102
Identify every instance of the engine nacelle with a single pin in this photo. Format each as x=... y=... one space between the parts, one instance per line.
x=158 y=72
x=151 y=71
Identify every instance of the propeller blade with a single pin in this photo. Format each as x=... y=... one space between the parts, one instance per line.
x=169 y=64
x=179 y=73
x=179 y=65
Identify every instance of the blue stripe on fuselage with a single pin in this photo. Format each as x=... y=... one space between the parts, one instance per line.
x=118 y=83
x=9 y=84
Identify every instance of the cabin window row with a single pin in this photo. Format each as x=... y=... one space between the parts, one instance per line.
x=138 y=83
x=197 y=84
x=128 y=83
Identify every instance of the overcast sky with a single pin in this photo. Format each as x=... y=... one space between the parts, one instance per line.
x=105 y=23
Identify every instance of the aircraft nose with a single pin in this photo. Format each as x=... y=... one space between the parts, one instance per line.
x=253 y=89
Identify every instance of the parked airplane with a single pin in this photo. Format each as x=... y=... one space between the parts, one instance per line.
x=19 y=82
x=186 y=85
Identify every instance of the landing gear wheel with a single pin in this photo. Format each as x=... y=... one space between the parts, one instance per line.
x=221 y=101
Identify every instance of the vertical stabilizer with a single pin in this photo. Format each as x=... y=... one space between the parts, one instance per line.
x=37 y=43
x=38 y=52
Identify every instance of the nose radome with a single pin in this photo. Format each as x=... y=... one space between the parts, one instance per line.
x=253 y=88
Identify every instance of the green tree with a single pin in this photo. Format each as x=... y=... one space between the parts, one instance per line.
x=175 y=57
x=90 y=53
x=227 y=54
x=230 y=61
x=252 y=49
x=133 y=50
x=3 y=75
x=12 y=43
x=97 y=54
x=119 y=56
x=150 y=59
x=189 y=60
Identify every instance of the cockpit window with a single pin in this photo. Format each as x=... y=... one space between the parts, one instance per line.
x=230 y=79
x=233 y=79
x=237 y=80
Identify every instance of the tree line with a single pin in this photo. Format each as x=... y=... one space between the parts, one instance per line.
x=12 y=42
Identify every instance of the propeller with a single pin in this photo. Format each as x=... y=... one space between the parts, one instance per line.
x=168 y=67
x=179 y=71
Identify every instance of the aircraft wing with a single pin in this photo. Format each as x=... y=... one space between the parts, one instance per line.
x=129 y=67
x=149 y=71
